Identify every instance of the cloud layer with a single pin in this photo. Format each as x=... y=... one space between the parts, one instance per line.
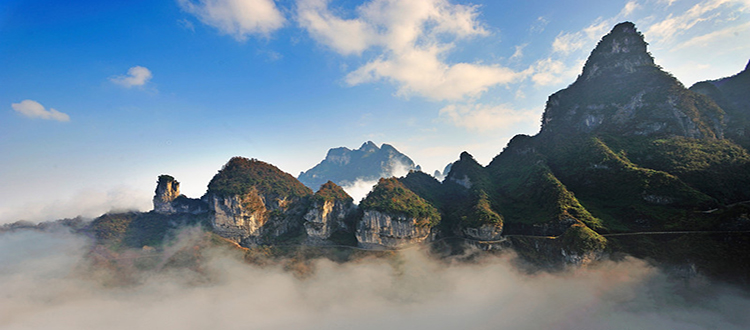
x=47 y=284
x=137 y=76
x=35 y=110
x=237 y=18
x=481 y=117
x=409 y=41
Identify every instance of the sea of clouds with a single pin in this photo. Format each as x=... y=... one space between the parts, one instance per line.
x=46 y=282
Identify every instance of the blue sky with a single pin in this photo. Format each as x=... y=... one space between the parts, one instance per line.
x=98 y=98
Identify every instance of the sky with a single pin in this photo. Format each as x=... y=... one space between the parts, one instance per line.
x=98 y=98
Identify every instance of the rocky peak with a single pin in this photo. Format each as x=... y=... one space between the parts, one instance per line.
x=340 y=156
x=344 y=166
x=619 y=52
x=369 y=146
x=168 y=200
x=167 y=190
x=622 y=92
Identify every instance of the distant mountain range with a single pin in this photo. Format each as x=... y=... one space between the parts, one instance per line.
x=344 y=166
x=628 y=161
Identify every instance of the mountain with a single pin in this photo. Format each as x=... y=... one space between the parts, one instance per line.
x=369 y=163
x=624 y=149
x=628 y=162
x=253 y=202
x=730 y=94
x=621 y=91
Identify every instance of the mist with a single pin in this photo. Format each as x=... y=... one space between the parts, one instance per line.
x=359 y=189
x=88 y=203
x=48 y=283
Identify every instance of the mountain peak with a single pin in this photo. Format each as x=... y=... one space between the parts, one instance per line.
x=619 y=52
x=369 y=146
x=622 y=92
x=344 y=166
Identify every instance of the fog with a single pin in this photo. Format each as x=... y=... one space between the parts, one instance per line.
x=47 y=283
x=87 y=203
x=362 y=186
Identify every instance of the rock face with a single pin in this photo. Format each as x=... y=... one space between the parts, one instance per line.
x=168 y=200
x=394 y=216
x=486 y=232
x=621 y=91
x=254 y=202
x=378 y=230
x=344 y=166
x=233 y=219
x=167 y=190
x=325 y=217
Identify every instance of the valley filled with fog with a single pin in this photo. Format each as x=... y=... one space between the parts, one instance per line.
x=48 y=282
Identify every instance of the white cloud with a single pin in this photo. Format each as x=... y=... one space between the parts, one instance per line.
x=551 y=71
x=713 y=37
x=412 y=39
x=629 y=8
x=518 y=54
x=675 y=25
x=359 y=189
x=34 y=109
x=482 y=117
x=137 y=76
x=345 y=36
x=237 y=18
x=88 y=203
x=51 y=280
x=567 y=42
x=539 y=25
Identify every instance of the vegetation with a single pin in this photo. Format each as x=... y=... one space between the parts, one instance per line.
x=136 y=230
x=482 y=214
x=240 y=175
x=392 y=197
x=166 y=178
x=528 y=191
x=581 y=239
x=425 y=186
x=718 y=168
x=330 y=191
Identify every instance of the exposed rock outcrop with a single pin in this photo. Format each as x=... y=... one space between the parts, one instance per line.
x=394 y=216
x=167 y=190
x=326 y=217
x=330 y=208
x=621 y=91
x=254 y=202
x=168 y=200
x=486 y=232
x=377 y=230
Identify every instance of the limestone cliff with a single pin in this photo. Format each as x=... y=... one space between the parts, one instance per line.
x=394 y=216
x=329 y=210
x=255 y=202
x=167 y=189
x=168 y=200
x=378 y=230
